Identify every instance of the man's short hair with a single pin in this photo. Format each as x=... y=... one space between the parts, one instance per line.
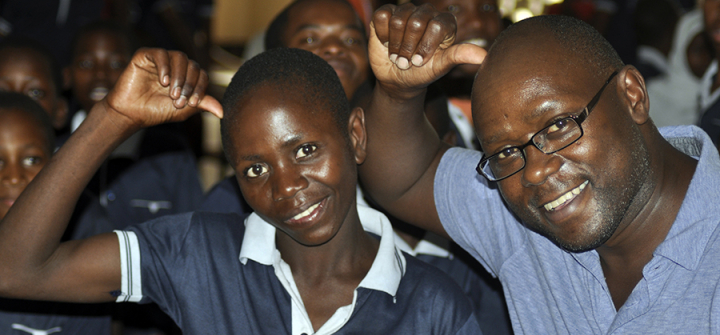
x=288 y=70
x=573 y=35
x=28 y=106
x=277 y=28
x=22 y=42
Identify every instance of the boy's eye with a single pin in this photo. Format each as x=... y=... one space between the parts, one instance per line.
x=350 y=41
x=85 y=64
x=36 y=93
x=305 y=150
x=254 y=171
x=117 y=65
x=453 y=8
x=30 y=161
x=488 y=8
x=310 y=40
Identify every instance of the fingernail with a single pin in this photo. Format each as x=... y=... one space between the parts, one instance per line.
x=403 y=63
x=386 y=44
x=393 y=57
x=417 y=60
x=175 y=92
x=181 y=102
x=166 y=80
x=194 y=100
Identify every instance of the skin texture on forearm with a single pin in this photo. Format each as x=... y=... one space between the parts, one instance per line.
x=403 y=154
x=33 y=263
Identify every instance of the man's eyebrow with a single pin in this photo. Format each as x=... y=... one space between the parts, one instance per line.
x=317 y=26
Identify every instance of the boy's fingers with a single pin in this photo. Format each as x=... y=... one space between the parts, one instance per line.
x=191 y=78
x=161 y=60
x=465 y=53
x=210 y=104
x=200 y=87
x=415 y=29
x=178 y=70
x=439 y=33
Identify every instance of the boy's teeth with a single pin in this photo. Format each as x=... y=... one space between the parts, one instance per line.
x=98 y=93
x=306 y=212
x=565 y=197
x=481 y=42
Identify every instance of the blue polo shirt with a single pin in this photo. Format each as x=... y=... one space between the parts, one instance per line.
x=215 y=275
x=551 y=291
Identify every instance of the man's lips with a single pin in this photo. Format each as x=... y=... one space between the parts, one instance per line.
x=565 y=198
x=342 y=69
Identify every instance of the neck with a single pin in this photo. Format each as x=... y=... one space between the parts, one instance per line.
x=349 y=253
x=649 y=219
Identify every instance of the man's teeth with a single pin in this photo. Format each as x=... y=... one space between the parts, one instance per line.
x=306 y=212
x=565 y=197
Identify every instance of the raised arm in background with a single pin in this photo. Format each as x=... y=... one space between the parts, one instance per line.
x=410 y=47
x=157 y=86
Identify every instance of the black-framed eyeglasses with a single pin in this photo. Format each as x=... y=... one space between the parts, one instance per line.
x=549 y=140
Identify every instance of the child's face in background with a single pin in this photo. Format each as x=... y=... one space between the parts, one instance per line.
x=294 y=166
x=24 y=71
x=97 y=62
x=23 y=152
x=331 y=30
x=478 y=22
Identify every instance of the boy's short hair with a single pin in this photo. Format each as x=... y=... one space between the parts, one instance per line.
x=22 y=42
x=288 y=70
x=104 y=26
x=276 y=30
x=28 y=106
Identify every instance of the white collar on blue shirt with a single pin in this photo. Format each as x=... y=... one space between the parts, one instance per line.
x=387 y=268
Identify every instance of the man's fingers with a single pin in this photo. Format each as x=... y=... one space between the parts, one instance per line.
x=465 y=53
x=439 y=33
x=415 y=29
x=396 y=30
x=199 y=90
x=380 y=21
x=191 y=78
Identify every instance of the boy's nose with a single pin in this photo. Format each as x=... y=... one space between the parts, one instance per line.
x=287 y=183
x=13 y=175
x=332 y=46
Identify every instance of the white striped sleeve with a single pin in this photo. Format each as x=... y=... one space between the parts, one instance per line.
x=131 y=285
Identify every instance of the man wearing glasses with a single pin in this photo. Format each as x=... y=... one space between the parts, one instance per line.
x=594 y=220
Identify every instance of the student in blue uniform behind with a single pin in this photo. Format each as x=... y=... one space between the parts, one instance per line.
x=309 y=260
x=27 y=141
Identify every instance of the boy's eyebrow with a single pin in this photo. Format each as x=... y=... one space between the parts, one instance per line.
x=289 y=142
x=316 y=26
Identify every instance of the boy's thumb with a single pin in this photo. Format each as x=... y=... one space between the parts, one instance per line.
x=466 y=53
x=211 y=105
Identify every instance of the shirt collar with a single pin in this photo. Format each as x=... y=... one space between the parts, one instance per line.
x=695 y=221
x=384 y=274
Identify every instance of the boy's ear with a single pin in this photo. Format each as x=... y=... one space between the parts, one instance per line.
x=67 y=78
x=358 y=135
x=60 y=117
x=632 y=85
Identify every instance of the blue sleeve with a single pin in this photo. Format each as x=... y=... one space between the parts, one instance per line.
x=225 y=197
x=473 y=213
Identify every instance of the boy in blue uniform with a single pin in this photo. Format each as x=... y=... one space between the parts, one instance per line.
x=306 y=264
x=26 y=145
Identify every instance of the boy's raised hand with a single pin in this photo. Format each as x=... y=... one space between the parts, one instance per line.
x=160 y=86
x=411 y=47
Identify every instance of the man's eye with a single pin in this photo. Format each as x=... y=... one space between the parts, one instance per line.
x=558 y=126
x=453 y=8
x=505 y=153
x=33 y=160
x=36 y=93
x=350 y=41
x=255 y=171
x=305 y=150
x=310 y=40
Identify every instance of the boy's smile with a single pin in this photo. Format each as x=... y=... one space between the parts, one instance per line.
x=294 y=166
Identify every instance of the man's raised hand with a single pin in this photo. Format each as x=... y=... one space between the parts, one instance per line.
x=411 y=47
x=159 y=86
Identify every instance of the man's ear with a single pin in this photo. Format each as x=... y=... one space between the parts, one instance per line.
x=59 y=118
x=632 y=84
x=358 y=135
